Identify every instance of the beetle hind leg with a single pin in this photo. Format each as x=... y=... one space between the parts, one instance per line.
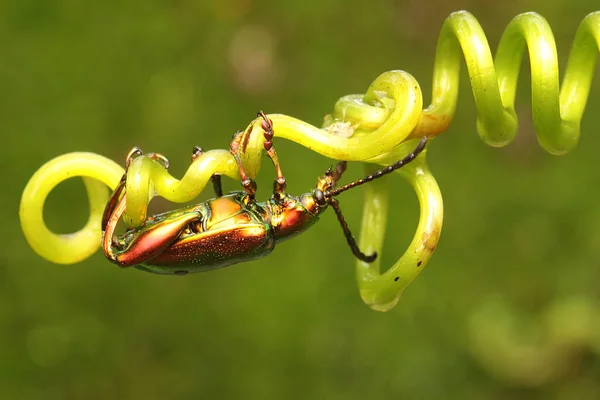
x=113 y=248
x=215 y=178
x=112 y=215
x=112 y=202
x=146 y=244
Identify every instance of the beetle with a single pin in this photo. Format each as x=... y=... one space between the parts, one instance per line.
x=231 y=228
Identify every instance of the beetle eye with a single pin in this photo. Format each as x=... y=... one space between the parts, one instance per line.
x=319 y=197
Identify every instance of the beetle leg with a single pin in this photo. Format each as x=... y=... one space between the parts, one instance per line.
x=148 y=243
x=114 y=198
x=115 y=208
x=217 y=185
x=164 y=161
x=340 y=168
x=215 y=178
x=136 y=151
x=112 y=203
x=117 y=204
x=235 y=147
x=110 y=221
x=279 y=184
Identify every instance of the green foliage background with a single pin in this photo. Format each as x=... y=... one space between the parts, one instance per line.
x=521 y=226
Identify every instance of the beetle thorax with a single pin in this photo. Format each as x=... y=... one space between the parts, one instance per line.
x=292 y=215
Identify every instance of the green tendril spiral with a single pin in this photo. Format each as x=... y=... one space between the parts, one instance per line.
x=376 y=128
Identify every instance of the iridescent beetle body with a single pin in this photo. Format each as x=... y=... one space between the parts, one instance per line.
x=218 y=233
x=231 y=228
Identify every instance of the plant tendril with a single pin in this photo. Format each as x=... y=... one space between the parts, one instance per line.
x=376 y=128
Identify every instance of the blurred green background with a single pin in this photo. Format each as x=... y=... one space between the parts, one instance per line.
x=506 y=308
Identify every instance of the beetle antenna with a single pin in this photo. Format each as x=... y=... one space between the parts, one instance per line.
x=349 y=238
x=379 y=173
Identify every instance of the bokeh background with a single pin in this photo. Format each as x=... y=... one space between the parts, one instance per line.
x=507 y=308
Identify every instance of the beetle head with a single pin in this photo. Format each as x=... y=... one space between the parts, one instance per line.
x=317 y=200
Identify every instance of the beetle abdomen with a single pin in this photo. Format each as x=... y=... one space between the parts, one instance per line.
x=212 y=249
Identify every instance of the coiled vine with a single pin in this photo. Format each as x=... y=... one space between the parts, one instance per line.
x=375 y=128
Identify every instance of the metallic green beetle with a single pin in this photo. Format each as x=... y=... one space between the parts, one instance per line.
x=231 y=228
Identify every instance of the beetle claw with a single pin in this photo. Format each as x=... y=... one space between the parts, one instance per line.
x=135 y=152
x=196 y=152
x=164 y=161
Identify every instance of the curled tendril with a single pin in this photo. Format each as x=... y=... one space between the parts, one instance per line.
x=97 y=172
x=375 y=128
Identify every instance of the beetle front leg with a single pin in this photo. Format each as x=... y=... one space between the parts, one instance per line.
x=279 y=184
x=340 y=168
x=239 y=143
